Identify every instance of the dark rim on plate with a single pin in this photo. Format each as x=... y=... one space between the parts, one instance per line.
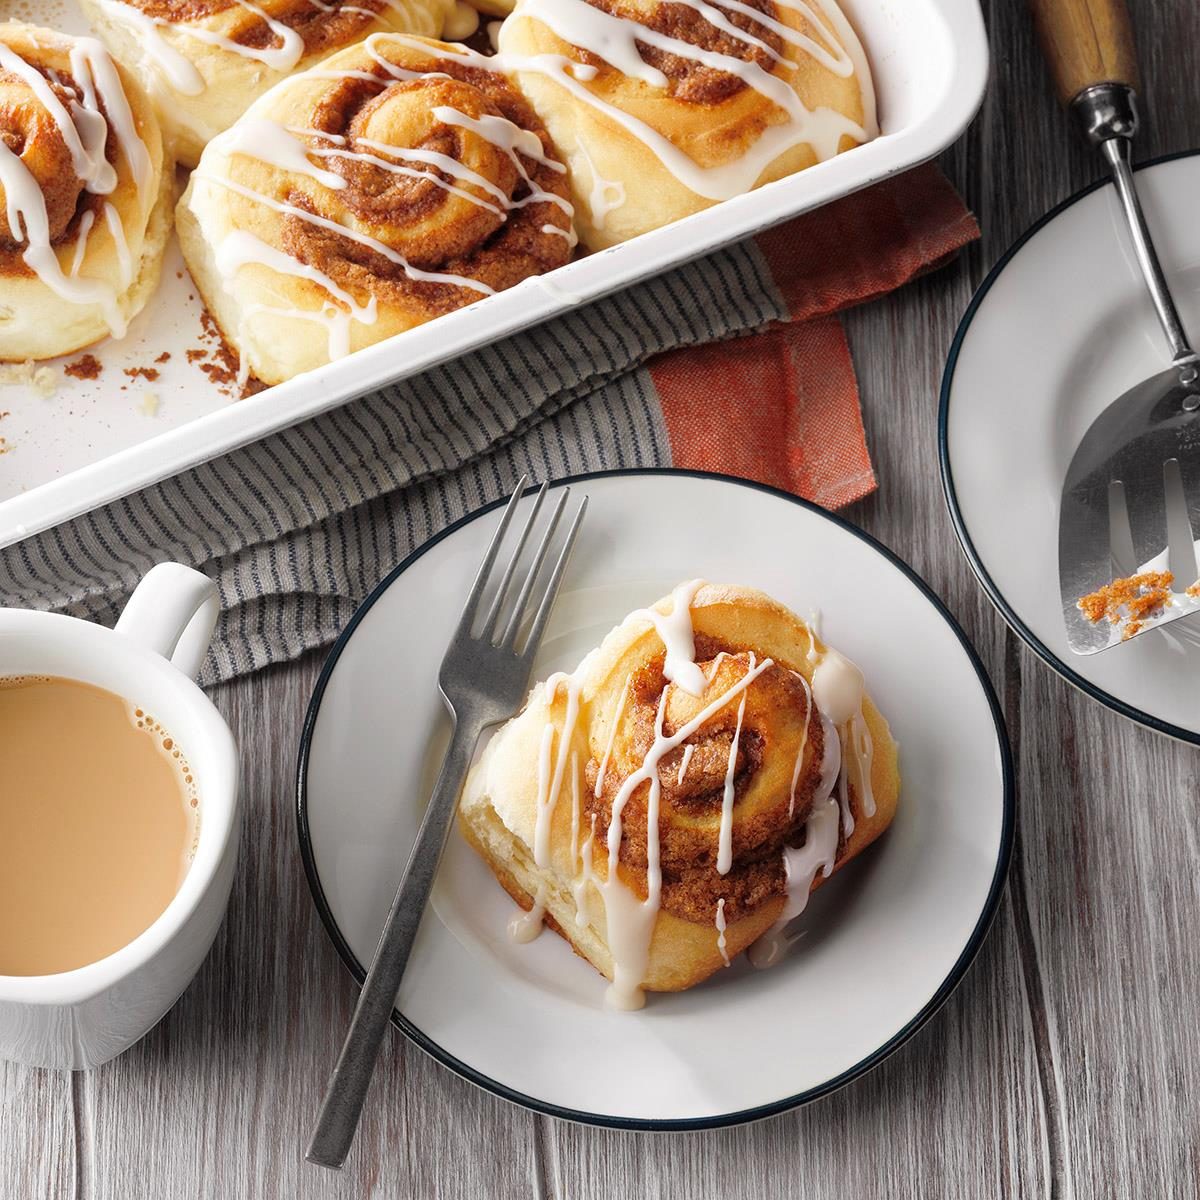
x=939 y=997
x=960 y=526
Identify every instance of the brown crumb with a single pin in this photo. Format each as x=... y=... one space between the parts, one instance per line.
x=165 y=356
x=196 y=354
x=150 y=374
x=223 y=370
x=1133 y=600
x=87 y=367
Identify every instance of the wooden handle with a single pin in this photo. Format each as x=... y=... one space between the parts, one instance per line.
x=1086 y=42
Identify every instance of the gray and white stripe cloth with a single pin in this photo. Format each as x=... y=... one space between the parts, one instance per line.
x=297 y=528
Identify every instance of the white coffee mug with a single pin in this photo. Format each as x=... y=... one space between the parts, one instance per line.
x=81 y=1018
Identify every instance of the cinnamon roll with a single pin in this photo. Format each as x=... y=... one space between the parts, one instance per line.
x=84 y=194
x=205 y=61
x=397 y=182
x=665 y=107
x=675 y=800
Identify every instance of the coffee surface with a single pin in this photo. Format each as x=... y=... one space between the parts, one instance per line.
x=98 y=823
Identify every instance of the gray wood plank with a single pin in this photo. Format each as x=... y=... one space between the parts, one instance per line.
x=41 y=1127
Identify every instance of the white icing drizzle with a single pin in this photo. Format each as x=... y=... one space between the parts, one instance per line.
x=239 y=247
x=585 y=876
x=612 y=733
x=721 y=927
x=178 y=70
x=606 y=195
x=94 y=71
x=84 y=132
x=630 y=919
x=549 y=787
x=269 y=142
x=715 y=666
x=808 y=711
x=112 y=219
x=814 y=635
x=837 y=687
x=684 y=762
x=819 y=853
x=81 y=240
x=568 y=235
x=88 y=161
x=574 y=805
x=725 y=834
x=678 y=638
x=525 y=926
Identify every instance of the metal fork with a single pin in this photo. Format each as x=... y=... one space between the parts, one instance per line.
x=483 y=680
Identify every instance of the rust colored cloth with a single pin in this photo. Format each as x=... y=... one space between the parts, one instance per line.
x=781 y=405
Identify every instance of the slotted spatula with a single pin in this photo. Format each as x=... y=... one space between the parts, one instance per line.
x=1131 y=498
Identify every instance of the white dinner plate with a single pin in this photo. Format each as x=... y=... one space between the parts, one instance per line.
x=1060 y=328
x=885 y=942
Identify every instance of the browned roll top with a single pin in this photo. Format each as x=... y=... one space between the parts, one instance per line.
x=688 y=80
x=323 y=27
x=374 y=133
x=776 y=722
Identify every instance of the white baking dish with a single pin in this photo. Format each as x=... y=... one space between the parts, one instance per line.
x=92 y=442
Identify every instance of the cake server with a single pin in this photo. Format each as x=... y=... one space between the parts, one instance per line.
x=483 y=679
x=1131 y=496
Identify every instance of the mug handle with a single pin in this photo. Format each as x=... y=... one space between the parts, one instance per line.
x=173 y=612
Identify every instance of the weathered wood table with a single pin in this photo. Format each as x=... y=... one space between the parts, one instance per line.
x=1068 y=1062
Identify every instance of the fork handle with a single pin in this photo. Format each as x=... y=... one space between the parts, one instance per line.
x=1086 y=42
x=351 y=1077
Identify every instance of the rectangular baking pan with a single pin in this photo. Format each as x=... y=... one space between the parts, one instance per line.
x=94 y=441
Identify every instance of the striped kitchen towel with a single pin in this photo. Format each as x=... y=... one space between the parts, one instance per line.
x=734 y=363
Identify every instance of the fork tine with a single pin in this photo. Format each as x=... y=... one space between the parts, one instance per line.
x=481 y=577
x=514 y=622
x=543 y=612
x=493 y=616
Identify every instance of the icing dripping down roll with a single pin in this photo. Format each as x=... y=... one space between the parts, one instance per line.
x=84 y=194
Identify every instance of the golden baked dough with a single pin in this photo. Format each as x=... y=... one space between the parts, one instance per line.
x=85 y=194
x=397 y=182
x=676 y=104
x=205 y=61
x=778 y=767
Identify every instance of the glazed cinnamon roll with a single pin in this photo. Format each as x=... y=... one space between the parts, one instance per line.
x=665 y=107
x=84 y=194
x=397 y=182
x=205 y=61
x=674 y=801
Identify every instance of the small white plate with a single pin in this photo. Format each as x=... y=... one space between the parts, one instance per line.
x=1059 y=329
x=887 y=939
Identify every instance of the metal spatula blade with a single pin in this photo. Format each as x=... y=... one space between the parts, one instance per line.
x=1131 y=500
x=1130 y=505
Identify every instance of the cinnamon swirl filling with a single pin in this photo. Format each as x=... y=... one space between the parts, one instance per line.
x=750 y=748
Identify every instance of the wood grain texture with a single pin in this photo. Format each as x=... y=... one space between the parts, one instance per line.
x=1086 y=42
x=1066 y=1065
